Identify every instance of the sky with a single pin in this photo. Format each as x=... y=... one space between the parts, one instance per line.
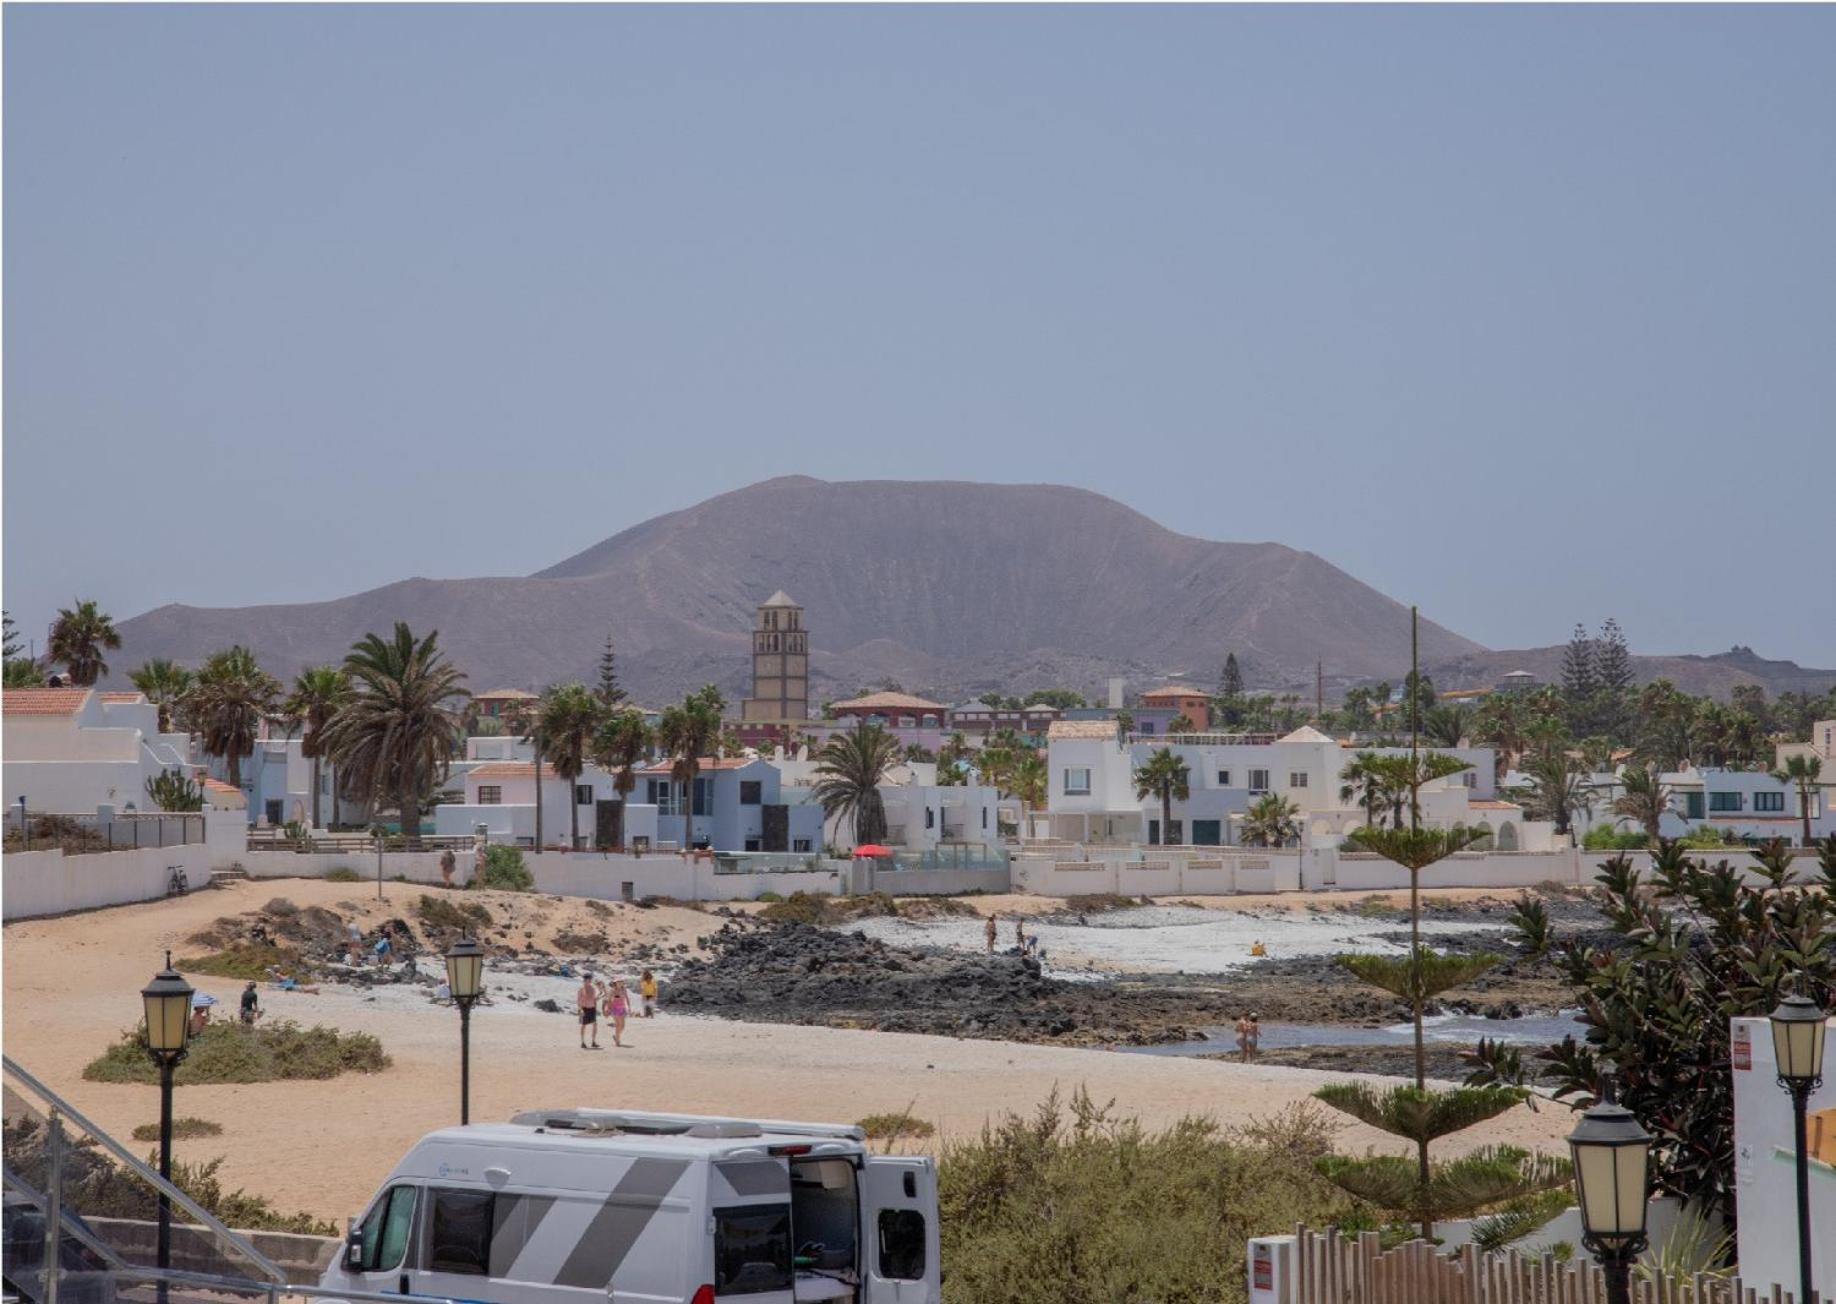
x=1526 y=315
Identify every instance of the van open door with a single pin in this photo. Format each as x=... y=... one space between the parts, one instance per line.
x=899 y=1230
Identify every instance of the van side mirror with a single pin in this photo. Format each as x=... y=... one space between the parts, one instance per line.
x=353 y=1249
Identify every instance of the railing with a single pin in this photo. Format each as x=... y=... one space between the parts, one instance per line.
x=1334 y=1269
x=91 y=833
x=1204 y=739
x=272 y=839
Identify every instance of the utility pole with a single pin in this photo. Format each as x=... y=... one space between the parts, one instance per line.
x=1319 y=691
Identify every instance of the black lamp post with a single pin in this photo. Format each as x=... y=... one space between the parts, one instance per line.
x=1798 y=1028
x=1611 y=1153
x=465 y=977
x=168 y=1010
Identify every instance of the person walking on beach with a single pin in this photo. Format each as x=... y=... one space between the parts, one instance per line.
x=448 y=863
x=1020 y=934
x=647 y=992
x=988 y=931
x=587 y=1000
x=618 y=1006
x=1249 y=1032
x=251 y=1004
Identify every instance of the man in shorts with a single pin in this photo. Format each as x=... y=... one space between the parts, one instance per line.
x=251 y=1003
x=586 y=1000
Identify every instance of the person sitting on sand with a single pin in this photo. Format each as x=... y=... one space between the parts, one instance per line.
x=1249 y=1032
x=288 y=983
x=200 y=1018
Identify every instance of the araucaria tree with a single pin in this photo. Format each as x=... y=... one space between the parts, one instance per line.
x=79 y=637
x=395 y=736
x=848 y=774
x=229 y=698
x=319 y=692
x=610 y=692
x=1230 y=692
x=688 y=732
x=571 y=714
x=1165 y=778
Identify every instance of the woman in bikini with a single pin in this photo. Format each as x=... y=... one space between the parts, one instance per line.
x=618 y=1006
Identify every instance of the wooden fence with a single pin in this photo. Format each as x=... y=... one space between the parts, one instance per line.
x=1332 y=1269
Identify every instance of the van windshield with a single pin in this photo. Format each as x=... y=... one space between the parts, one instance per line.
x=752 y=1249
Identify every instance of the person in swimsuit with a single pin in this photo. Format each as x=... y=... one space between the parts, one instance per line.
x=618 y=1005
x=1249 y=1032
x=587 y=999
x=647 y=992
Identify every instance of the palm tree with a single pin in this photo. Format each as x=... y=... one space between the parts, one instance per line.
x=1271 y=821
x=79 y=636
x=1364 y=783
x=1806 y=772
x=1163 y=776
x=1558 y=787
x=229 y=698
x=688 y=732
x=950 y=758
x=571 y=714
x=318 y=694
x=1445 y=726
x=1645 y=799
x=848 y=774
x=164 y=682
x=621 y=741
x=395 y=733
x=1029 y=780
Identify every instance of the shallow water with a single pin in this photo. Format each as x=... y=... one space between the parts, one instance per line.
x=1462 y=1029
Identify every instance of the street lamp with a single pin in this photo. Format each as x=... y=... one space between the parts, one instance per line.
x=1611 y=1153
x=168 y=1010
x=465 y=978
x=1798 y=1028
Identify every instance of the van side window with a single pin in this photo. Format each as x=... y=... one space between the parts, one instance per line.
x=902 y=1244
x=385 y=1231
x=459 y=1238
x=752 y=1250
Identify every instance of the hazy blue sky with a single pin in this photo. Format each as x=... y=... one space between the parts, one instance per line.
x=1528 y=315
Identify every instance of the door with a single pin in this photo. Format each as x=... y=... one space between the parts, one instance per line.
x=1207 y=833
x=774 y=822
x=382 y=1265
x=608 y=824
x=899 y=1229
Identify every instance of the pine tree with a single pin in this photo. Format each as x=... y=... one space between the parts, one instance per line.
x=1613 y=671
x=1230 y=692
x=609 y=691
x=12 y=636
x=1580 y=682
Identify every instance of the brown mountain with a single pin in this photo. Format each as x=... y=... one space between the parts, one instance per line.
x=946 y=588
x=1709 y=676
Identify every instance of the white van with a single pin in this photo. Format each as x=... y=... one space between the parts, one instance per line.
x=583 y=1206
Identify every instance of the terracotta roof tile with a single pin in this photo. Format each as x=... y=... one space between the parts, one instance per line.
x=890 y=702
x=124 y=697
x=1172 y=691
x=504 y=770
x=43 y=701
x=1492 y=805
x=1081 y=729
x=217 y=785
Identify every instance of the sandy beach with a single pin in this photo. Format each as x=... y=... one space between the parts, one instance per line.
x=72 y=985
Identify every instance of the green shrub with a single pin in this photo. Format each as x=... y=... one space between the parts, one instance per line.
x=887 y=1127
x=342 y=874
x=769 y=898
x=798 y=908
x=230 y=1052
x=247 y=960
x=460 y=915
x=1604 y=837
x=183 y=1129
x=1706 y=837
x=504 y=871
x=1091 y=1209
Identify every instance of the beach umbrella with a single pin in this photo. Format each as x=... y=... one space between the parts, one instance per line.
x=202 y=1000
x=873 y=849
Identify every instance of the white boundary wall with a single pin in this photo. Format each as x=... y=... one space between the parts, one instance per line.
x=39 y=883
x=1064 y=870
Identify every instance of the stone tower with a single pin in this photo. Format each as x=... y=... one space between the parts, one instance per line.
x=780 y=665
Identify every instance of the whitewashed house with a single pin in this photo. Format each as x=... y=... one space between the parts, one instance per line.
x=921 y=814
x=72 y=750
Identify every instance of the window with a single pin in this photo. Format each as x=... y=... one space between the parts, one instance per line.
x=1223 y=778
x=752 y=1250
x=460 y=1237
x=1769 y=801
x=1692 y=805
x=930 y=818
x=902 y=1244
x=751 y=792
x=583 y=794
x=1077 y=782
x=1297 y=778
x=1207 y=833
x=385 y=1231
x=704 y=796
x=984 y=817
x=1724 y=801
x=800 y=844
x=1258 y=780
x=490 y=794
x=752 y=844
x=1146 y=726
x=274 y=813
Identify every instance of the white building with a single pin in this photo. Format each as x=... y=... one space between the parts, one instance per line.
x=71 y=750
x=500 y=797
x=1091 y=789
x=1750 y=805
x=921 y=814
